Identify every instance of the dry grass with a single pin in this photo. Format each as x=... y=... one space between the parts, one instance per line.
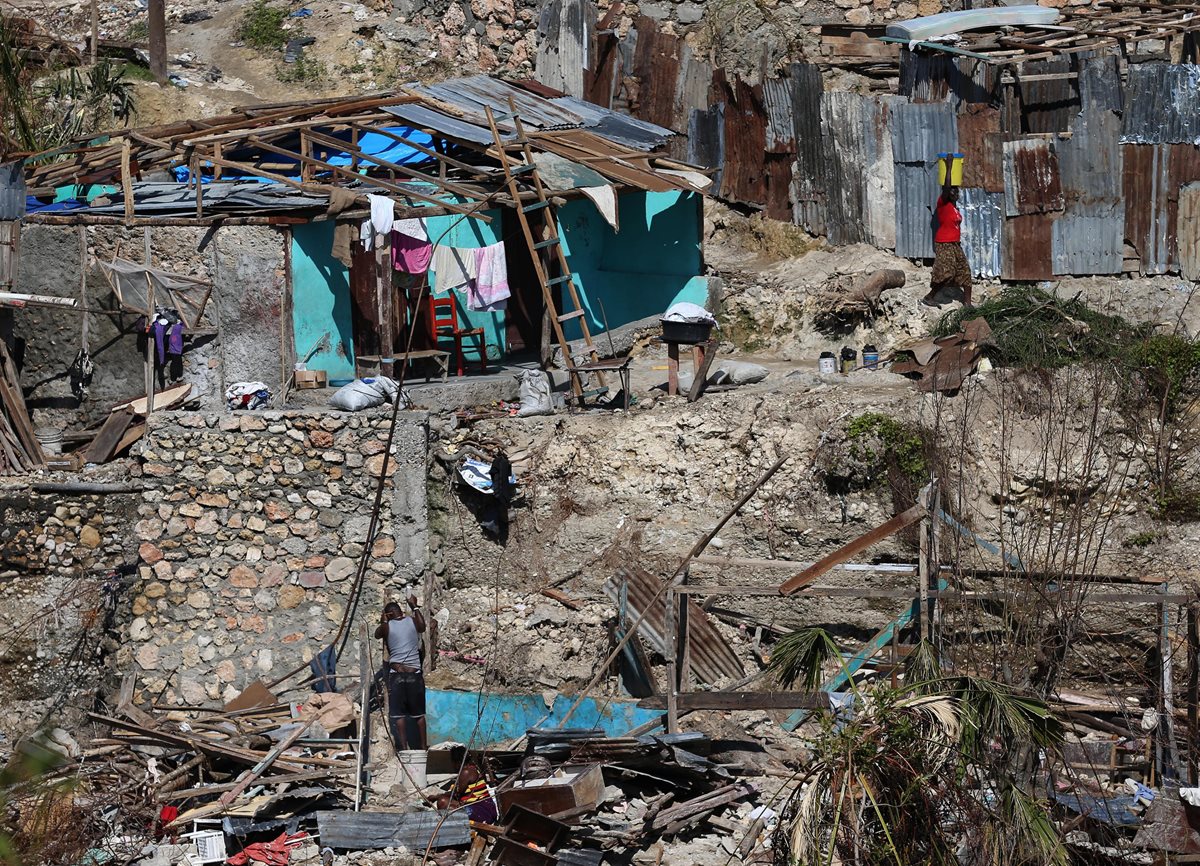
x=770 y=239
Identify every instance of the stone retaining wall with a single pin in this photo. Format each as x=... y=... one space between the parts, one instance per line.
x=250 y=530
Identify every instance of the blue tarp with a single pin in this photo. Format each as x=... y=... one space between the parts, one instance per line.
x=484 y=719
x=1109 y=810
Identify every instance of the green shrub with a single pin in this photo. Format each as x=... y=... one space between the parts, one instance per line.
x=304 y=70
x=261 y=26
x=903 y=448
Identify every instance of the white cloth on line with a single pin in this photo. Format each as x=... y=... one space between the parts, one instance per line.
x=383 y=213
x=366 y=234
x=452 y=267
x=413 y=228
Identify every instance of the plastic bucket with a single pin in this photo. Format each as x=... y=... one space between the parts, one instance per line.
x=827 y=363
x=50 y=438
x=412 y=768
x=955 y=163
x=870 y=357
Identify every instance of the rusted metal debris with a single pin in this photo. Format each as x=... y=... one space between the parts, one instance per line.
x=944 y=363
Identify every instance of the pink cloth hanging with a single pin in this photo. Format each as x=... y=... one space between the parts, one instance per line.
x=489 y=292
x=410 y=254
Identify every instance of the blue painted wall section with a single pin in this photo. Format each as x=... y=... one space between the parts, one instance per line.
x=486 y=719
x=653 y=262
x=455 y=231
x=321 y=301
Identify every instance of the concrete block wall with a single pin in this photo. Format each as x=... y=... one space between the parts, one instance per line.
x=250 y=530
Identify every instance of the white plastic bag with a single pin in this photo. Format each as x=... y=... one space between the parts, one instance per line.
x=737 y=373
x=535 y=394
x=365 y=394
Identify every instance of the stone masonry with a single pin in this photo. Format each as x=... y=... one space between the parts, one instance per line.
x=250 y=530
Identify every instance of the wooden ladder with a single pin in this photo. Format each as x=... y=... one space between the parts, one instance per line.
x=550 y=244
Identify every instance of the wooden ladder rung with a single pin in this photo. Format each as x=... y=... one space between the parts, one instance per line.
x=522 y=169
x=537 y=205
x=566 y=317
x=541 y=245
x=558 y=280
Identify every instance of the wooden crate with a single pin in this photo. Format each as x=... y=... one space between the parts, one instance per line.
x=311 y=379
x=579 y=786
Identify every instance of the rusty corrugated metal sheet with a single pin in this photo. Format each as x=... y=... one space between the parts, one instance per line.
x=777 y=100
x=979 y=138
x=1145 y=192
x=982 y=227
x=1089 y=238
x=879 y=207
x=1031 y=177
x=937 y=77
x=745 y=177
x=808 y=187
x=656 y=68
x=844 y=169
x=919 y=134
x=600 y=78
x=691 y=93
x=1026 y=253
x=564 y=42
x=711 y=658
x=706 y=140
x=1162 y=104
x=1048 y=104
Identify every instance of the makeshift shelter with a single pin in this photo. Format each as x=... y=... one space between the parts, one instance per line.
x=626 y=218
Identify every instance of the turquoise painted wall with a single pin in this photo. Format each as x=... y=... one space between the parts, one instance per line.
x=651 y=263
x=321 y=300
x=486 y=719
x=454 y=231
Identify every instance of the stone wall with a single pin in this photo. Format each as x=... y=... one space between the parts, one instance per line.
x=246 y=264
x=54 y=553
x=251 y=527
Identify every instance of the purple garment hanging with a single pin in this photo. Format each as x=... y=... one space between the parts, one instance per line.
x=175 y=339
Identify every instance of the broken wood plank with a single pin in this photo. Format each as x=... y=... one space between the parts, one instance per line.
x=105 y=444
x=261 y=767
x=562 y=598
x=168 y=399
x=855 y=547
x=690 y=701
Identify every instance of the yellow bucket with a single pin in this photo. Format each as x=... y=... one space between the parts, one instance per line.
x=954 y=162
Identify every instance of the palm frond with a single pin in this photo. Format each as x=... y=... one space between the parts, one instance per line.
x=922 y=667
x=800 y=657
x=1031 y=828
x=992 y=712
x=940 y=719
x=805 y=835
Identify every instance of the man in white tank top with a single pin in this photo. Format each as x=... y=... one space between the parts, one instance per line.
x=401 y=635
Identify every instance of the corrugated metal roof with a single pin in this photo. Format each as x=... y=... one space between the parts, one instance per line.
x=1162 y=104
x=1089 y=239
x=12 y=191
x=426 y=118
x=621 y=128
x=1031 y=177
x=471 y=95
x=919 y=134
x=1026 y=253
x=808 y=187
x=982 y=226
x=711 y=657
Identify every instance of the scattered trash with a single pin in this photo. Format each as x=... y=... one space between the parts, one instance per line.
x=295 y=48
x=195 y=17
x=302 y=13
x=247 y=395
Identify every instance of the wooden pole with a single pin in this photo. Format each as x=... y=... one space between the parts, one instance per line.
x=1193 y=694
x=149 y=363
x=364 y=739
x=385 y=302
x=1166 y=652
x=935 y=566
x=671 y=651
x=684 y=639
x=924 y=625
x=126 y=178
x=95 y=10
x=156 y=11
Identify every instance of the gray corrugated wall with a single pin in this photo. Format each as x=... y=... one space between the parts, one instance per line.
x=12 y=191
x=919 y=134
x=983 y=222
x=808 y=190
x=1162 y=104
x=844 y=171
x=1089 y=237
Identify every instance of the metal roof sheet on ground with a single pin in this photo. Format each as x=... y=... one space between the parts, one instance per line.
x=452 y=127
x=919 y=133
x=1162 y=104
x=1031 y=177
x=621 y=128
x=472 y=95
x=711 y=657
x=1090 y=237
x=982 y=226
x=12 y=191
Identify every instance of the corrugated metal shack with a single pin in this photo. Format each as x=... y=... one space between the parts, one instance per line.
x=1076 y=161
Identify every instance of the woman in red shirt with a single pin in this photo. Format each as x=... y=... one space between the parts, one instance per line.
x=950 y=267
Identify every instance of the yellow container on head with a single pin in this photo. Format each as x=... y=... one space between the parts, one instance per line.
x=952 y=162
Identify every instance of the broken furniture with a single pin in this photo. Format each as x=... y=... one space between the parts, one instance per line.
x=443 y=321
x=702 y=358
x=620 y=366
x=529 y=839
x=571 y=788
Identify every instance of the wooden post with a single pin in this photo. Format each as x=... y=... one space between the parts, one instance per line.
x=95 y=10
x=126 y=178
x=1171 y=753
x=198 y=180
x=671 y=651
x=149 y=363
x=364 y=738
x=1193 y=695
x=156 y=11
x=83 y=262
x=935 y=565
x=924 y=625
x=683 y=637
x=385 y=301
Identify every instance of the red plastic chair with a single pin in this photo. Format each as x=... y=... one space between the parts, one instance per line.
x=443 y=321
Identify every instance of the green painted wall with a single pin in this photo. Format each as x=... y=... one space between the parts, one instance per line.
x=651 y=263
x=321 y=300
